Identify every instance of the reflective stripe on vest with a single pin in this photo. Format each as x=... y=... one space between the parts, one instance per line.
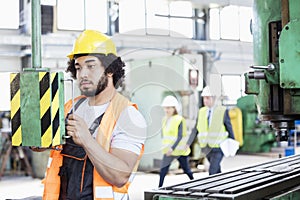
x=216 y=132
x=107 y=191
x=52 y=179
x=170 y=135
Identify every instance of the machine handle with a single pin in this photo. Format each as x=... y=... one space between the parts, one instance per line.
x=269 y=67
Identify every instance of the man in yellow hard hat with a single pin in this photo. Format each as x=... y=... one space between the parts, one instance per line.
x=106 y=130
x=212 y=128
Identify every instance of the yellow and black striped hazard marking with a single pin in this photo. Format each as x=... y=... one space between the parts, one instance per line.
x=37 y=108
x=57 y=108
x=45 y=109
x=15 y=109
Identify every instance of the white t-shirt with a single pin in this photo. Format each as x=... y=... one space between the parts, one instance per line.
x=129 y=132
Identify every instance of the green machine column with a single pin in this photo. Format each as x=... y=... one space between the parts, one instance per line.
x=264 y=12
x=274 y=76
x=289 y=49
x=37 y=98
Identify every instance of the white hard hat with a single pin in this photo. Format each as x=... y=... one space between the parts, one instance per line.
x=170 y=101
x=206 y=92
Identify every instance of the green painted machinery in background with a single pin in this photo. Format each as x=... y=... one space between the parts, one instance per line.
x=258 y=136
x=274 y=78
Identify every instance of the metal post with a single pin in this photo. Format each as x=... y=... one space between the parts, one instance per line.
x=36 y=56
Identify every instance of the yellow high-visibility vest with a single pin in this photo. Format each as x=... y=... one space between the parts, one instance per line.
x=170 y=134
x=215 y=133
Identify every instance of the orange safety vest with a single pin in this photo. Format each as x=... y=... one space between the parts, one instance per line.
x=102 y=189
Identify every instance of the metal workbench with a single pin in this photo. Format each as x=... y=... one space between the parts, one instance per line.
x=278 y=179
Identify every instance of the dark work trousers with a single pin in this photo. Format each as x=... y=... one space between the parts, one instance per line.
x=165 y=165
x=214 y=156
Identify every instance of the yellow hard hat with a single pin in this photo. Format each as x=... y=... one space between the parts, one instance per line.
x=90 y=41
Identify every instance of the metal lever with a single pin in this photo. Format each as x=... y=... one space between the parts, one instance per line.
x=269 y=67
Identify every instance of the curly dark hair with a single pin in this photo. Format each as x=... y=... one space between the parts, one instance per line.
x=112 y=64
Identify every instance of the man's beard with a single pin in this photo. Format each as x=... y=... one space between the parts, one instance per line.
x=102 y=84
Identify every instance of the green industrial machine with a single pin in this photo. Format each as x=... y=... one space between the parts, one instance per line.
x=258 y=136
x=37 y=102
x=274 y=78
x=37 y=98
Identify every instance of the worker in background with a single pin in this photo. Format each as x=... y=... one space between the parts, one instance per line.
x=174 y=139
x=106 y=130
x=212 y=128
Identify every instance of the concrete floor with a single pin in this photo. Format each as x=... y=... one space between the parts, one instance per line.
x=20 y=187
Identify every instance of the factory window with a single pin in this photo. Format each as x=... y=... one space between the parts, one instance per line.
x=245 y=18
x=231 y=89
x=10 y=12
x=230 y=22
x=132 y=16
x=214 y=24
x=157 y=20
x=166 y=19
x=183 y=18
x=84 y=14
